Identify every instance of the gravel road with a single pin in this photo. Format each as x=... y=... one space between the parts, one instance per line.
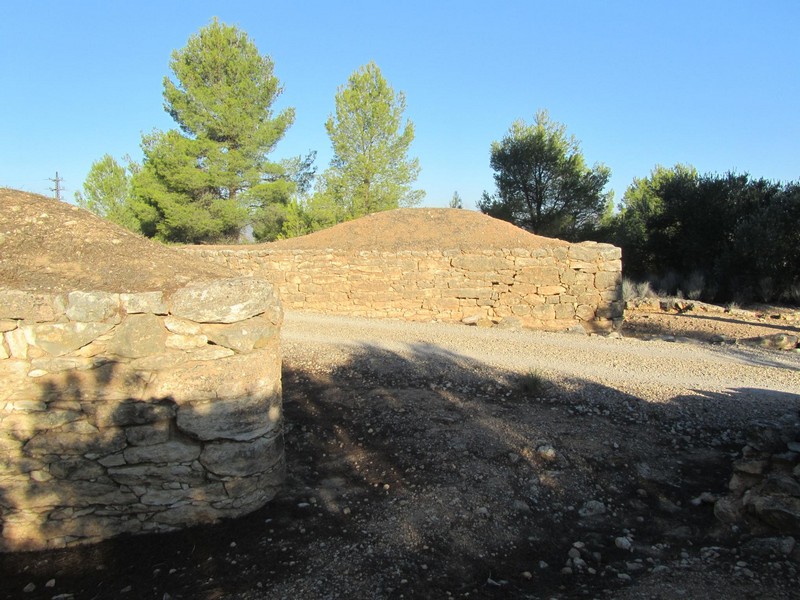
x=655 y=371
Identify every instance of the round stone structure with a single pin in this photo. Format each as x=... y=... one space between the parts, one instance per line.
x=141 y=387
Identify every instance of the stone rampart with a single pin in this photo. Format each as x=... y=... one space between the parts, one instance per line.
x=119 y=412
x=552 y=287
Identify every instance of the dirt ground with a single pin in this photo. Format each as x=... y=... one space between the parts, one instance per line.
x=437 y=481
x=430 y=479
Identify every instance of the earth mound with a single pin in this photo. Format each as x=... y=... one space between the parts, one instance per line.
x=421 y=229
x=52 y=246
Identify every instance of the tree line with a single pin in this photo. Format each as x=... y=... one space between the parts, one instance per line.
x=211 y=179
x=712 y=237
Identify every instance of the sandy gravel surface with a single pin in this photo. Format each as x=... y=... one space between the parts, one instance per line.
x=652 y=370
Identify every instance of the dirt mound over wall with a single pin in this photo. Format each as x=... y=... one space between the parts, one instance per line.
x=47 y=245
x=421 y=229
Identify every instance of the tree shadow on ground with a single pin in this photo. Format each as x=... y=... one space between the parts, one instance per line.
x=424 y=474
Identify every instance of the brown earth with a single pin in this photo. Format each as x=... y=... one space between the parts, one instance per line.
x=52 y=246
x=406 y=478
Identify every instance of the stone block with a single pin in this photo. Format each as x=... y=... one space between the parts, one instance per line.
x=586 y=252
x=76 y=468
x=224 y=301
x=586 y=267
x=185 y=342
x=105 y=441
x=550 y=290
x=144 y=302
x=241 y=418
x=199 y=381
x=30 y=306
x=544 y=312
x=242 y=459
x=146 y=435
x=138 y=336
x=90 y=307
x=564 y=311
x=585 y=312
x=131 y=412
x=149 y=475
x=481 y=264
x=539 y=275
x=243 y=336
x=607 y=280
x=182 y=326
x=173 y=451
x=62 y=338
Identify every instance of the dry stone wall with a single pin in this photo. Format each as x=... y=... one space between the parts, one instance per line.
x=554 y=287
x=125 y=413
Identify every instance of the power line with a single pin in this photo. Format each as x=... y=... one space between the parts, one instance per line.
x=57 y=189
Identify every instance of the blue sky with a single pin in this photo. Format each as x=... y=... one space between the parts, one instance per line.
x=639 y=83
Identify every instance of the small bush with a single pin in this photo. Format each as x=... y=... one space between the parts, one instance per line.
x=695 y=285
x=645 y=290
x=766 y=289
x=533 y=384
x=628 y=290
x=668 y=284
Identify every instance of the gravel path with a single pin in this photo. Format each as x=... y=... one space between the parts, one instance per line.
x=655 y=371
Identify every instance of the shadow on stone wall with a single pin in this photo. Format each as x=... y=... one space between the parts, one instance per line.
x=83 y=463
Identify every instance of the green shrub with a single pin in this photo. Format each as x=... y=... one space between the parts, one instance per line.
x=533 y=383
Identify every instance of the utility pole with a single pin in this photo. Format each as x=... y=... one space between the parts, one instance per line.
x=58 y=189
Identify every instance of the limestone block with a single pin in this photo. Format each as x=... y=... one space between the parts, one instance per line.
x=76 y=468
x=585 y=312
x=165 y=497
x=586 y=252
x=544 y=312
x=550 y=290
x=609 y=253
x=22 y=423
x=182 y=326
x=89 y=307
x=105 y=441
x=521 y=310
x=149 y=475
x=62 y=338
x=30 y=306
x=611 y=265
x=586 y=267
x=539 y=275
x=185 y=342
x=224 y=301
x=131 y=412
x=564 y=311
x=62 y=363
x=146 y=435
x=480 y=264
x=144 y=302
x=607 y=280
x=242 y=486
x=4 y=352
x=474 y=293
x=535 y=261
x=173 y=451
x=244 y=336
x=198 y=381
x=8 y=325
x=138 y=336
x=241 y=459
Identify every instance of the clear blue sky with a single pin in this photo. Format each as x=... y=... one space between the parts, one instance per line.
x=639 y=83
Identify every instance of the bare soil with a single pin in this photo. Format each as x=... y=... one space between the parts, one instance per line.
x=424 y=475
